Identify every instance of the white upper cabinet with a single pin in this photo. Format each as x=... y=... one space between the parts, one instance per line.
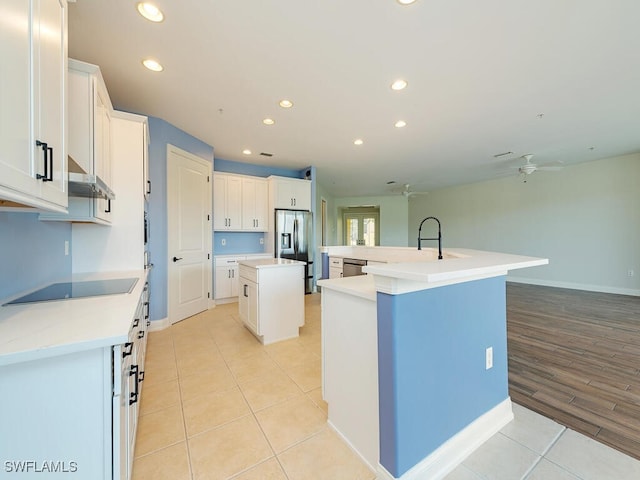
x=33 y=158
x=290 y=193
x=240 y=203
x=255 y=201
x=227 y=198
x=89 y=113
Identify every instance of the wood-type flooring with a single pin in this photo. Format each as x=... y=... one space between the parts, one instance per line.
x=574 y=356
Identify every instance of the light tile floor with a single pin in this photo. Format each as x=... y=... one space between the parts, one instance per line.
x=216 y=404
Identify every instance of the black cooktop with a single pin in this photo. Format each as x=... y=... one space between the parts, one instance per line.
x=66 y=290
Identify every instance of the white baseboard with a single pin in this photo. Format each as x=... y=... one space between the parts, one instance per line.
x=353 y=449
x=157 y=325
x=575 y=286
x=453 y=452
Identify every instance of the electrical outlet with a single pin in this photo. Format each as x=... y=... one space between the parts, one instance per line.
x=223 y=242
x=631 y=273
x=261 y=240
x=488 y=358
x=66 y=247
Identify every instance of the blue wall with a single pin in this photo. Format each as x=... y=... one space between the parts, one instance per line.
x=431 y=357
x=31 y=252
x=162 y=133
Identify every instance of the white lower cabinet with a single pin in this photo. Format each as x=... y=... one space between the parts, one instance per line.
x=335 y=267
x=226 y=278
x=75 y=413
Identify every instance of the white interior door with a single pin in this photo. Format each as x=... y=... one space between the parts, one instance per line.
x=189 y=233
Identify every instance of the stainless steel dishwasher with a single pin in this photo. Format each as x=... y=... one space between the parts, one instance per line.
x=352 y=267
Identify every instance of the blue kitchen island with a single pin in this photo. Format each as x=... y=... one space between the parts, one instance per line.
x=415 y=359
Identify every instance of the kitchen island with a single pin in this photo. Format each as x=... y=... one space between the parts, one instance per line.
x=415 y=358
x=271 y=298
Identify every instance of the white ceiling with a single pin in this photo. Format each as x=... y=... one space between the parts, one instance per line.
x=479 y=73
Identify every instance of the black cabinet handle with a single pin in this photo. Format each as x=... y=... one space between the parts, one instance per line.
x=141 y=376
x=108 y=210
x=136 y=322
x=175 y=259
x=148 y=187
x=141 y=334
x=148 y=323
x=45 y=146
x=245 y=290
x=133 y=396
x=50 y=174
x=126 y=352
x=146 y=313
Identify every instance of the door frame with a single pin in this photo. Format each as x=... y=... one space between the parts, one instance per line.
x=209 y=265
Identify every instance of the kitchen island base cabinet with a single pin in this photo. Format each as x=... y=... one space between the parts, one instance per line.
x=271 y=298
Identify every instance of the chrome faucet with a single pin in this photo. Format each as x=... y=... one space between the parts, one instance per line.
x=439 y=239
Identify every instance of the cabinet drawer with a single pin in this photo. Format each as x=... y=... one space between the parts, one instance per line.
x=248 y=273
x=227 y=261
x=335 y=262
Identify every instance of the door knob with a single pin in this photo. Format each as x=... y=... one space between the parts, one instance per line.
x=175 y=259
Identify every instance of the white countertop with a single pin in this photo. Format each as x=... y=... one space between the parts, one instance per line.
x=40 y=330
x=247 y=256
x=404 y=277
x=270 y=262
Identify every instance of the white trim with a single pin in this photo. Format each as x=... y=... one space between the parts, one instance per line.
x=576 y=286
x=454 y=451
x=157 y=325
x=350 y=445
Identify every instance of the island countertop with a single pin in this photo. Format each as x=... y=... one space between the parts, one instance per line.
x=461 y=265
x=270 y=262
x=40 y=330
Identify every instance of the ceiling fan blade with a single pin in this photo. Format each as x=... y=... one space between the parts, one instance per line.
x=549 y=168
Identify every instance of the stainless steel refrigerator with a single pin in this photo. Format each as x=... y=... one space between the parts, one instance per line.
x=294 y=234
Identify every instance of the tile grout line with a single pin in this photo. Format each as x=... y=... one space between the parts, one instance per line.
x=544 y=453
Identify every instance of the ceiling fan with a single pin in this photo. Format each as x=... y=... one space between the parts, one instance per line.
x=404 y=189
x=529 y=167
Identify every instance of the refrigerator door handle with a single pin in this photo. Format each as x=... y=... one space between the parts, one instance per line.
x=295 y=236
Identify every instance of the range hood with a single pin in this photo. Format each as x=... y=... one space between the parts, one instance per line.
x=88 y=186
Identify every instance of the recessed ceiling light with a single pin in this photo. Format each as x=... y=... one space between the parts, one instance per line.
x=400 y=124
x=406 y=2
x=246 y=151
x=358 y=141
x=399 y=84
x=286 y=103
x=268 y=121
x=152 y=65
x=150 y=11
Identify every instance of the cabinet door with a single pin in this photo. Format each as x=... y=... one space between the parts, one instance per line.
x=220 y=202
x=262 y=205
x=248 y=204
x=301 y=194
x=243 y=302
x=234 y=202
x=15 y=120
x=249 y=304
x=102 y=160
x=49 y=90
x=283 y=197
x=335 y=272
x=223 y=282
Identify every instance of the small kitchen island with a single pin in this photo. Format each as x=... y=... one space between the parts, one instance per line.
x=414 y=358
x=271 y=298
